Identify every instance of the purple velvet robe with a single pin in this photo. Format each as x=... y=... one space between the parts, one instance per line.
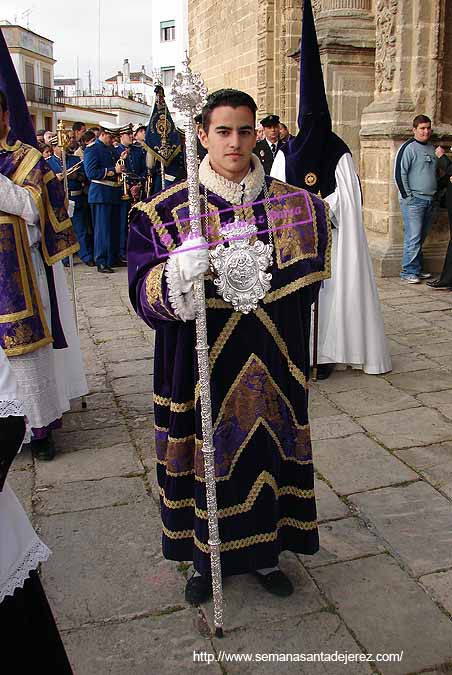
x=23 y=327
x=259 y=366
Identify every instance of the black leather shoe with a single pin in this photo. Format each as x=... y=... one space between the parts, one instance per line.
x=324 y=370
x=439 y=285
x=105 y=269
x=198 y=590
x=43 y=449
x=276 y=583
x=120 y=263
x=90 y=263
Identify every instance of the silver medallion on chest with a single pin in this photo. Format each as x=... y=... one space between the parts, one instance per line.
x=241 y=266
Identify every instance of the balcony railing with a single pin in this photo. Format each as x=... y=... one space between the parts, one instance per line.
x=36 y=93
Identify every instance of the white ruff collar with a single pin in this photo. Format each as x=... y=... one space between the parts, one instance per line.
x=230 y=191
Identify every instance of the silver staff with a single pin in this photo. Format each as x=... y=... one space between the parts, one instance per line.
x=62 y=141
x=189 y=94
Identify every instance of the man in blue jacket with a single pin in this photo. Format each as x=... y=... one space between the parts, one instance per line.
x=102 y=167
x=135 y=165
x=416 y=179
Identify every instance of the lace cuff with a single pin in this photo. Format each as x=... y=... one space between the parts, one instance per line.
x=181 y=300
x=13 y=408
x=37 y=554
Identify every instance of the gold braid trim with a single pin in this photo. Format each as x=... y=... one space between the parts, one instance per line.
x=270 y=326
x=218 y=303
x=182 y=407
x=154 y=288
x=184 y=439
x=26 y=165
x=177 y=534
x=298 y=524
x=174 y=407
x=161 y=400
x=149 y=208
x=179 y=504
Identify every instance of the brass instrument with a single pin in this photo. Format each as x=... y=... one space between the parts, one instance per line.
x=148 y=184
x=125 y=187
x=74 y=168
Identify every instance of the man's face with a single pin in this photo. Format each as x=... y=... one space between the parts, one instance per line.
x=140 y=134
x=47 y=136
x=40 y=138
x=272 y=133
x=283 y=132
x=79 y=133
x=230 y=141
x=105 y=137
x=126 y=140
x=423 y=132
x=4 y=123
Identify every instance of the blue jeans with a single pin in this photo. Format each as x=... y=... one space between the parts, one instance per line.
x=417 y=217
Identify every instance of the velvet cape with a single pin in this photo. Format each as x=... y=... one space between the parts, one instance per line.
x=259 y=366
x=23 y=326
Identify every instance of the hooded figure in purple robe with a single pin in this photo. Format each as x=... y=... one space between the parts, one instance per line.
x=35 y=233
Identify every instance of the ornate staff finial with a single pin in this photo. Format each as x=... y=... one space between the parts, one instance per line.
x=188 y=92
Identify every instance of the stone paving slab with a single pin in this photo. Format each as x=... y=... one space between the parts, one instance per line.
x=94 y=401
x=416 y=522
x=406 y=363
x=23 y=461
x=434 y=349
x=380 y=397
x=118 y=460
x=88 y=439
x=134 y=349
x=319 y=406
x=388 y=613
x=407 y=428
x=335 y=426
x=313 y=634
x=92 y=419
x=329 y=506
x=132 y=405
x=144 y=438
x=433 y=462
x=138 y=384
x=421 y=381
x=89 y=494
x=423 y=337
x=97 y=383
x=440 y=586
x=247 y=604
x=140 y=367
x=358 y=463
x=143 y=646
x=441 y=400
x=131 y=575
x=345 y=380
x=343 y=540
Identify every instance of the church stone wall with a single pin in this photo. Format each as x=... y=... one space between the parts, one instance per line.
x=223 y=43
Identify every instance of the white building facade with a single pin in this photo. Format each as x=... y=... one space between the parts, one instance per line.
x=169 y=41
x=32 y=56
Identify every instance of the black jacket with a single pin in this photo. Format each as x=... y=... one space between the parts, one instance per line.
x=263 y=151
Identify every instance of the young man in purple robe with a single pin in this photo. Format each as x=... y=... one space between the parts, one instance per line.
x=259 y=360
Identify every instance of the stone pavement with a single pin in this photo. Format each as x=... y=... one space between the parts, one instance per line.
x=382 y=581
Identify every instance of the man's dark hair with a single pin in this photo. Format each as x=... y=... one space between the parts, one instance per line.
x=77 y=126
x=232 y=98
x=87 y=137
x=40 y=132
x=3 y=101
x=421 y=119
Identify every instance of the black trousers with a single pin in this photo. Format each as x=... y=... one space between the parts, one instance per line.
x=30 y=641
x=446 y=274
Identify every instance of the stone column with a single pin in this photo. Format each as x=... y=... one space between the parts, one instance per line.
x=410 y=36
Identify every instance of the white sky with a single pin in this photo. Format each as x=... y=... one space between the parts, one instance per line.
x=73 y=26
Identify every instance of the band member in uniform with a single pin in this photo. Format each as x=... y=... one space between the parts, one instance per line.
x=102 y=168
x=135 y=166
x=267 y=148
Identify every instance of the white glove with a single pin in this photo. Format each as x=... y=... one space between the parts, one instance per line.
x=71 y=208
x=192 y=261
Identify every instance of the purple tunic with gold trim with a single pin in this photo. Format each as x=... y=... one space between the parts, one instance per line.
x=23 y=326
x=259 y=365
